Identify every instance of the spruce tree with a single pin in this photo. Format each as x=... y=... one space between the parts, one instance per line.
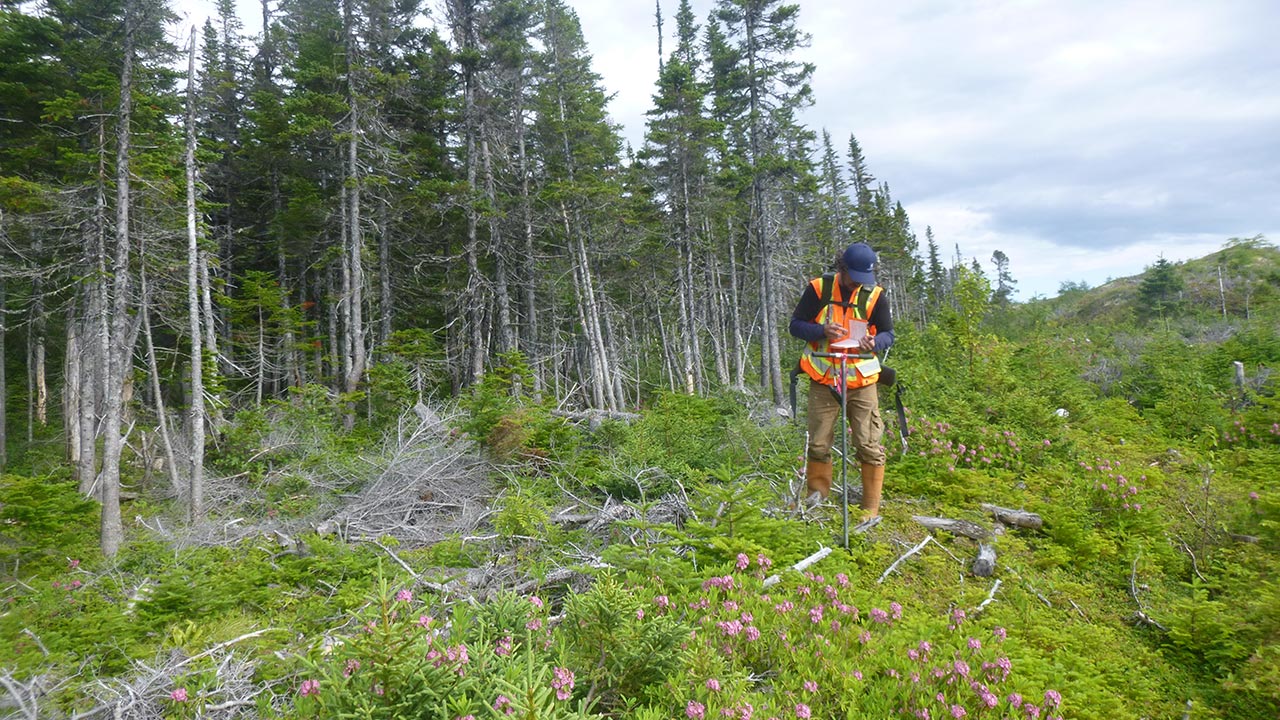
x=1160 y=291
x=774 y=85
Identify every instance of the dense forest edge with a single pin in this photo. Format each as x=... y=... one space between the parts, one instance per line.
x=360 y=369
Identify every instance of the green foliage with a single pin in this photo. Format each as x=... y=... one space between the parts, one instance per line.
x=972 y=295
x=682 y=435
x=1159 y=293
x=44 y=521
x=626 y=649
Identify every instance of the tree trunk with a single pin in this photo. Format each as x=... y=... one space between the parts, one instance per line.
x=735 y=315
x=529 y=288
x=206 y=304
x=171 y=466
x=195 y=417
x=715 y=298
x=70 y=396
x=91 y=378
x=505 y=336
x=686 y=323
x=115 y=320
x=37 y=333
x=4 y=388
x=386 y=305
x=355 y=233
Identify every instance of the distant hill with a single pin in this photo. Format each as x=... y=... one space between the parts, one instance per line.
x=1244 y=274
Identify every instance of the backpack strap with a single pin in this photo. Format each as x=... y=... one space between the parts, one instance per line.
x=828 y=283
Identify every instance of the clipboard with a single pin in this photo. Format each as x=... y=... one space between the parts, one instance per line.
x=856 y=330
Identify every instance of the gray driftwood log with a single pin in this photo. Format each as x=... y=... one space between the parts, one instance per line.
x=1020 y=518
x=971 y=530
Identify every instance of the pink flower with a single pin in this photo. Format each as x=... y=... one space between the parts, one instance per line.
x=743 y=561
x=724 y=583
x=695 y=710
x=640 y=614
x=895 y=610
x=179 y=695
x=1253 y=495
x=404 y=596
x=879 y=616
x=536 y=601
x=764 y=562
x=857 y=674
x=957 y=712
x=815 y=615
x=842 y=580
x=534 y=625
x=752 y=633
x=662 y=601
x=803 y=711
x=352 y=666
x=1052 y=698
x=563 y=683
x=504 y=647
x=1015 y=700
x=730 y=628
x=425 y=621
x=713 y=685
x=1000 y=633
x=975 y=644
x=810 y=686
x=309 y=687
x=503 y=703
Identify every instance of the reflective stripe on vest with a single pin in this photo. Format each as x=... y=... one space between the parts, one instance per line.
x=861 y=371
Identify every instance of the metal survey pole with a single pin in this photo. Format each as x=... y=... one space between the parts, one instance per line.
x=844 y=442
x=843 y=379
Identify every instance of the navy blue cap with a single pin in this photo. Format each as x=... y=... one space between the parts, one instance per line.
x=859 y=263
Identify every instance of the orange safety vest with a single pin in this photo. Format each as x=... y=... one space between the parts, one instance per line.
x=861 y=371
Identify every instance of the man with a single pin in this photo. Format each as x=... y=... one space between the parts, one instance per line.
x=828 y=309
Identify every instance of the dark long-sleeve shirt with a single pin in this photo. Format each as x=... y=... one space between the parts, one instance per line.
x=803 y=327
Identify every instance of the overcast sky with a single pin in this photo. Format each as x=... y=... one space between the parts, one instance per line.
x=1084 y=139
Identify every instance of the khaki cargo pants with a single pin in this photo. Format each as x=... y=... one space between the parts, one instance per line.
x=866 y=427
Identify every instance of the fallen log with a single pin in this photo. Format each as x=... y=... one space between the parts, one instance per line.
x=800 y=566
x=985 y=564
x=905 y=555
x=1020 y=518
x=968 y=529
x=595 y=417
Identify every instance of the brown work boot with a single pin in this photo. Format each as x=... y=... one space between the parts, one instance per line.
x=817 y=477
x=872 y=484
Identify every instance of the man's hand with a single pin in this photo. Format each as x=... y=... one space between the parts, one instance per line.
x=834 y=332
x=867 y=344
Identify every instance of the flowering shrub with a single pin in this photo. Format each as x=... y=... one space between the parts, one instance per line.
x=1113 y=492
x=400 y=661
x=825 y=656
x=942 y=445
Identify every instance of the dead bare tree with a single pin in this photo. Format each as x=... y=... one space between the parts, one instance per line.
x=116 y=333
x=195 y=506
